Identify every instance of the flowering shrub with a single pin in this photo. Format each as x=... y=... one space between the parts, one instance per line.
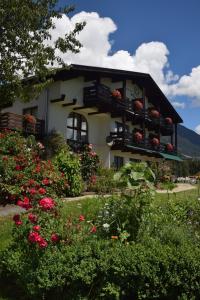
x=69 y=165
x=89 y=164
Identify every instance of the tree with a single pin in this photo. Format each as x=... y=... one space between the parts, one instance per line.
x=24 y=47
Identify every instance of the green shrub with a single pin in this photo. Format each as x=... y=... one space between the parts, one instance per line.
x=54 y=143
x=89 y=164
x=104 y=183
x=69 y=165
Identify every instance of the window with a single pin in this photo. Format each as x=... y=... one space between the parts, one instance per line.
x=77 y=128
x=118 y=162
x=31 y=111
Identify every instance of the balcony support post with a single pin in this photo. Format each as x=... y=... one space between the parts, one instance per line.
x=176 y=141
x=143 y=122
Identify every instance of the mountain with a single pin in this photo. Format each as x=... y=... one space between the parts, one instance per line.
x=188 y=142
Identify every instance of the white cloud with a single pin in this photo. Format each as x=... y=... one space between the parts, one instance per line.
x=178 y=104
x=197 y=129
x=151 y=57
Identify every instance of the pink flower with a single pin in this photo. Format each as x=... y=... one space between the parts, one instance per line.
x=47 y=203
x=36 y=228
x=81 y=218
x=42 y=243
x=42 y=191
x=32 y=218
x=90 y=146
x=45 y=181
x=93 y=229
x=54 y=238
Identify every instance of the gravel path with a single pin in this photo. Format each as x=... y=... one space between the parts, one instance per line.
x=10 y=210
x=180 y=188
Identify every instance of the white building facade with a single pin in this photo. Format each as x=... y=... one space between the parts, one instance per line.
x=81 y=104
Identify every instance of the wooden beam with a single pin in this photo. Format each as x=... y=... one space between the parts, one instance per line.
x=62 y=98
x=97 y=113
x=74 y=101
x=81 y=107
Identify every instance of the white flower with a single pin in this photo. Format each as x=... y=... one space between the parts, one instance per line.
x=106 y=225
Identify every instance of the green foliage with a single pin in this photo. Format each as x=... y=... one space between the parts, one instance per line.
x=54 y=143
x=69 y=165
x=133 y=175
x=104 y=183
x=89 y=164
x=25 y=32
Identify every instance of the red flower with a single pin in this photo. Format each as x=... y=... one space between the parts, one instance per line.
x=54 y=238
x=45 y=181
x=32 y=218
x=47 y=203
x=36 y=228
x=42 y=191
x=5 y=158
x=42 y=243
x=18 y=223
x=32 y=191
x=18 y=167
x=34 y=237
x=93 y=179
x=31 y=182
x=81 y=218
x=16 y=218
x=93 y=229
x=24 y=204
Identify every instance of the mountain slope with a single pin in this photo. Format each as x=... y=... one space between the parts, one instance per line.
x=188 y=142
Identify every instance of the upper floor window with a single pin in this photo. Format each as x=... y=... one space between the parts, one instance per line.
x=31 y=111
x=77 y=128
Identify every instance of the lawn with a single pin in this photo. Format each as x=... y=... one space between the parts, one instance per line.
x=88 y=207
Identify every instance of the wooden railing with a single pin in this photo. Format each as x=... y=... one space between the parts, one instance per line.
x=17 y=122
x=121 y=140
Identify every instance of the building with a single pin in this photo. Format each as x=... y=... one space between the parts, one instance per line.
x=123 y=114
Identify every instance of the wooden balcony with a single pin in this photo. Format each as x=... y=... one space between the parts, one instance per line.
x=100 y=96
x=17 y=122
x=125 y=142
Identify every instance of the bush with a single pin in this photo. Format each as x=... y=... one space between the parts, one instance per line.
x=89 y=164
x=104 y=182
x=54 y=143
x=69 y=165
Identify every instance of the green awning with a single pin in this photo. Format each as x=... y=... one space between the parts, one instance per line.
x=171 y=157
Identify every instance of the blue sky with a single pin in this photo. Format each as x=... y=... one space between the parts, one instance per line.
x=175 y=23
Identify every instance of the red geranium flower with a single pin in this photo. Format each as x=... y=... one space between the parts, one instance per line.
x=32 y=218
x=47 y=203
x=81 y=218
x=31 y=182
x=54 y=238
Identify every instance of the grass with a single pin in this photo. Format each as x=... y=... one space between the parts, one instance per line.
x=89 y=208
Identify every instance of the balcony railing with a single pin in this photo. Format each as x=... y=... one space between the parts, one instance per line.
x=16 y=122
x=120 y=140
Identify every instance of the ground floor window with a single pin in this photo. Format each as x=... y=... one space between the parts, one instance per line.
x=77 y=128
x=118 y=162
x=31 y=111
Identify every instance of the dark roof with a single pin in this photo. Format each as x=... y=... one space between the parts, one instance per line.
x=153 y=91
